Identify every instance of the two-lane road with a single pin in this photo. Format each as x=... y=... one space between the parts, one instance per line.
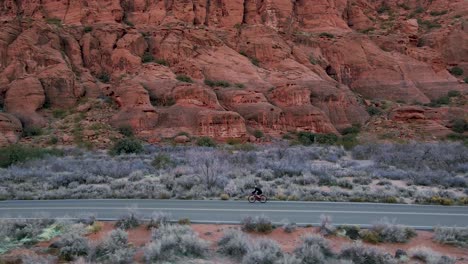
x=214 y=211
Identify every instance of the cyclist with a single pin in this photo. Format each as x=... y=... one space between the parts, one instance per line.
x=257 y=192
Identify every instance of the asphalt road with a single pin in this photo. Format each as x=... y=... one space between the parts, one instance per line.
x=364 y=214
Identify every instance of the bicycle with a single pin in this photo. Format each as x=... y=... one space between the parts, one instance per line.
x=261 y=198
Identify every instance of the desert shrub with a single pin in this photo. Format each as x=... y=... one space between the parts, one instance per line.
x=162 y=161
x=171 y=241
x=224 y=197
x=258 y=134
x=345 y=184
x=32 y=131
x=184 y=78
x=126 y=131
x=383 y=8
x=427 y=24
x=314 y=249
x=465 y=80
x=54 y=21
x=326 y=35
x=438 y=13
x=459 y=125
x=234 y=243
x=350 y=231
x=38 y=259
x=114 y=249
x=240 y=85
x=452 y=235
x=453 y=93
x=16 y=153
x=360 y=254
x=206 y=142
x=385 y=231
x=261 y=224
x=219 y=83
x=157 y=219
x=457 y=71
x=264 y=251
x=307 y=138
x=372 y=110
x=127 y=221
x=184 y=221
x=443 y=100
x=436 y=199
x=72 y=245
x=428 y=256
x=289 y=227
x=88 y=29
x=126 y=146
x=104 y=77
x=161 y=62
x=59 y=113
x=354 y=129
x=326 y=228
x=147 y=57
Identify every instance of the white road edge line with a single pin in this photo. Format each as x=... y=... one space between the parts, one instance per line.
x=231 y=210
x=237 y=201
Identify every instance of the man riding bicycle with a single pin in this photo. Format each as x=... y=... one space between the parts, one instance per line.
x=257 y=192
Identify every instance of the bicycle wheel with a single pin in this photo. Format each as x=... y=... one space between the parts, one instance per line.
x=263 y=199
x=251 y=199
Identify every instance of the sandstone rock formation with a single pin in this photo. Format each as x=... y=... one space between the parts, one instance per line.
x=10 y=129
x=226 y=68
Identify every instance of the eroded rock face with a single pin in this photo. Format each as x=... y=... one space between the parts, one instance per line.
x=10 y=129
x=275 y=66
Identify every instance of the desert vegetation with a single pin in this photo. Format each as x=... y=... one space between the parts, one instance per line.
x=84 y=241
x=427 y=173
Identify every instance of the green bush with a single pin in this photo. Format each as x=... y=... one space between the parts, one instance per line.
x=438 y=13
x=161 y=62
x=456 y=71
x=184 y=221
x=240 y=85
x=104 y=77
x=126 y=146
x=53 y=140
x=427 y=24
x=459 y=125
x=453 y=93
x=355 y=129
x=383 y=8
x=349 y=141
x=307 y=138
x=255 y=61
x=258 y=134
x=32 y=131
x=466 y=80
x=126 y=130
x=59 y=113
x=14 y=154
x=326 y=35
x=147 y=57
x=54 y=21
x=212 y=83
x=206 y=142
x=184 y=78
x=88 y=29
x=444 y=100
x=370 y=236
x=372 y=110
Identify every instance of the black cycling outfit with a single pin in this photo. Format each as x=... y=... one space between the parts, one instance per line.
x=257 y=191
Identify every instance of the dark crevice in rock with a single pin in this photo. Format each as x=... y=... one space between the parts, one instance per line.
x=208 y=6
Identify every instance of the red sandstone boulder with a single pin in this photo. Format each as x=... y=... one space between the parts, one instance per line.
x=10 y=129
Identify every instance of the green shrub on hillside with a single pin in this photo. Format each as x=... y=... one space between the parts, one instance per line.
x=457 y=71
x=14 y=154
x=32 y=131
x=206 y=142
x=184 y=78
x=126 y=131
x=126 y=146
